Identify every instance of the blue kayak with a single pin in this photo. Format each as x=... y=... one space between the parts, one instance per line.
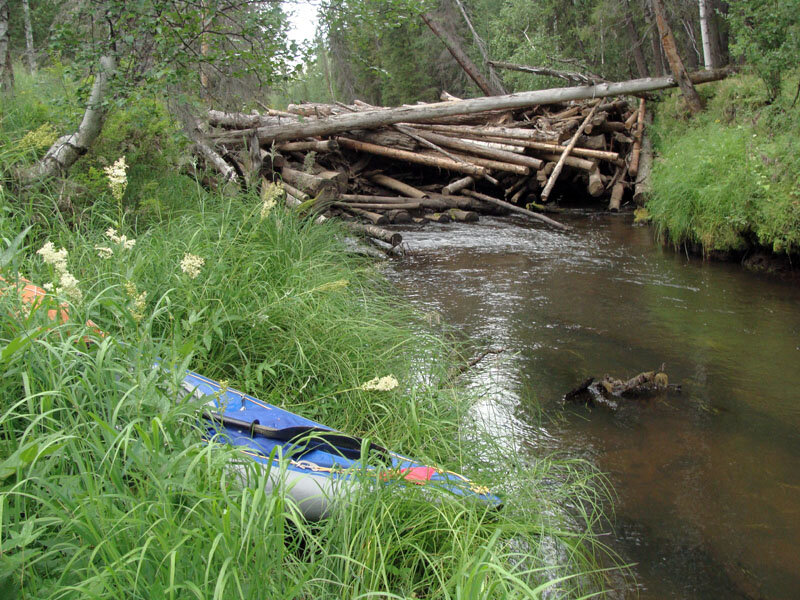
x=314 y=464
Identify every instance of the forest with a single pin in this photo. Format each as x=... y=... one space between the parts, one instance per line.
x=186 y=186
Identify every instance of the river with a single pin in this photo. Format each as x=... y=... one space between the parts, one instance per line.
x=707 y=481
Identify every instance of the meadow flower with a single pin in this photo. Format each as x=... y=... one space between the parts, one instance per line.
x=139 y=301
x=55 y=258
x=117 y=178
x=104 y=252
x=122 y=240
x=269 y=198
x=68 y=284
x=380 y=384
x=191 y=264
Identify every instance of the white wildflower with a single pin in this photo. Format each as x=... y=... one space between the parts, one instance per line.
x=67 y=283
x=117 y=178
x=381 y=384
x=269 y=198
x=104 y=252
x=191 y=264
x=69 y=287
x=122 y=240
x=139 y=301
x=56 y=258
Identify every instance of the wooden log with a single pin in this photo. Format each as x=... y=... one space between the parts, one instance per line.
x=486 y=130
x=494 y=165
x=571 y=76
x=379 y=206
x=299 y=194
x=517 y=209
x=464 y=203
x=458 y=185
x=314 y=186
x=633 y=167
x=590 y=142
x=314 y=145
x=398 y=186
x=611 y=127
x=516 y=186
x=374 y=218
x=473 y=148
x=438 y=217
x=570 y=161
x=413 y=157
x=630 y=122
x=560 y=165
x=642 y=183
x=616 y=196
x=460 y=56
x=595 y=186
x=548 y=147
x=399 y=216
x=414 y=114
x=463 y=216
x=390 y=237
x=428 y=202
x=236 y=120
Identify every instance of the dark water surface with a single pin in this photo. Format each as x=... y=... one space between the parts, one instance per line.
x=708 y=481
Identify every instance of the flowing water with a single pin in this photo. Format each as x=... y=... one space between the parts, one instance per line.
x=708 y=481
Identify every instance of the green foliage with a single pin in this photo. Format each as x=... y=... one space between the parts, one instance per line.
x=767 y=36
x=729 y=178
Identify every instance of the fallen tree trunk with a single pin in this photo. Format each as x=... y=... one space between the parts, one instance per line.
x=67 y=149
x=477 y=149
x=518 y=209
x=413 y=157
x=571 y=76
x=461 y=58
x=390 y=237
x=458 y=185
x=413 y=114
x=398 y=186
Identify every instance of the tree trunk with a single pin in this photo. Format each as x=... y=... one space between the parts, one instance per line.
x=675 y=63
x=6 y=69
x=426 y=112
x=455 y=49
x=67 y=149
x=29 y=53
x=494 y=79
x=636 y=43
x=518 y=209
x=706 y=33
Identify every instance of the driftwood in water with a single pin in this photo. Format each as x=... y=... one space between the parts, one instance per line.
x=390 y=237
x=517 y=209
x=608 y=392
x=374 y=218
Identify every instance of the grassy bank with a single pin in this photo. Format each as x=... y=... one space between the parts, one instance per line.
x=106 y=489
x=727 y=180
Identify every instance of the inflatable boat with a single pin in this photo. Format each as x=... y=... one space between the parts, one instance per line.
x=311 y=463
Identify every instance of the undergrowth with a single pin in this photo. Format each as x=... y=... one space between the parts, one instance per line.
x=108 y=491
x=728 y=178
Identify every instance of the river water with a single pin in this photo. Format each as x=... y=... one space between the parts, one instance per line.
x=707 y=481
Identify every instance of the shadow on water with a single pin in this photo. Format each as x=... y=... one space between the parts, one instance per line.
x=707 y=481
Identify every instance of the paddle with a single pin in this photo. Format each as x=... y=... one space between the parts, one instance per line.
x=341 y=443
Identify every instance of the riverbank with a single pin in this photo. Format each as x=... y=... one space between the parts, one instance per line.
x=106 y=488
x=725 y=183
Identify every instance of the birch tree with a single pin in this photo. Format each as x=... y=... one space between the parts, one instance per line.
x=6 y=69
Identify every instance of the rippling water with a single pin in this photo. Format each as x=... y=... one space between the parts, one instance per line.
x=708 y=480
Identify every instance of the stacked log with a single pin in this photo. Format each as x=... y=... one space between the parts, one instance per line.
x=448 y=161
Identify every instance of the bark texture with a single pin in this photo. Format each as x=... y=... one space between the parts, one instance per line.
x=69 y=148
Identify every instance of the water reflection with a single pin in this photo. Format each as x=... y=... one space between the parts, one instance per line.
x=709 y=490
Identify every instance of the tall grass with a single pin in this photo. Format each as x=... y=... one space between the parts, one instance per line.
x=108 y=491
x=728 y=179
